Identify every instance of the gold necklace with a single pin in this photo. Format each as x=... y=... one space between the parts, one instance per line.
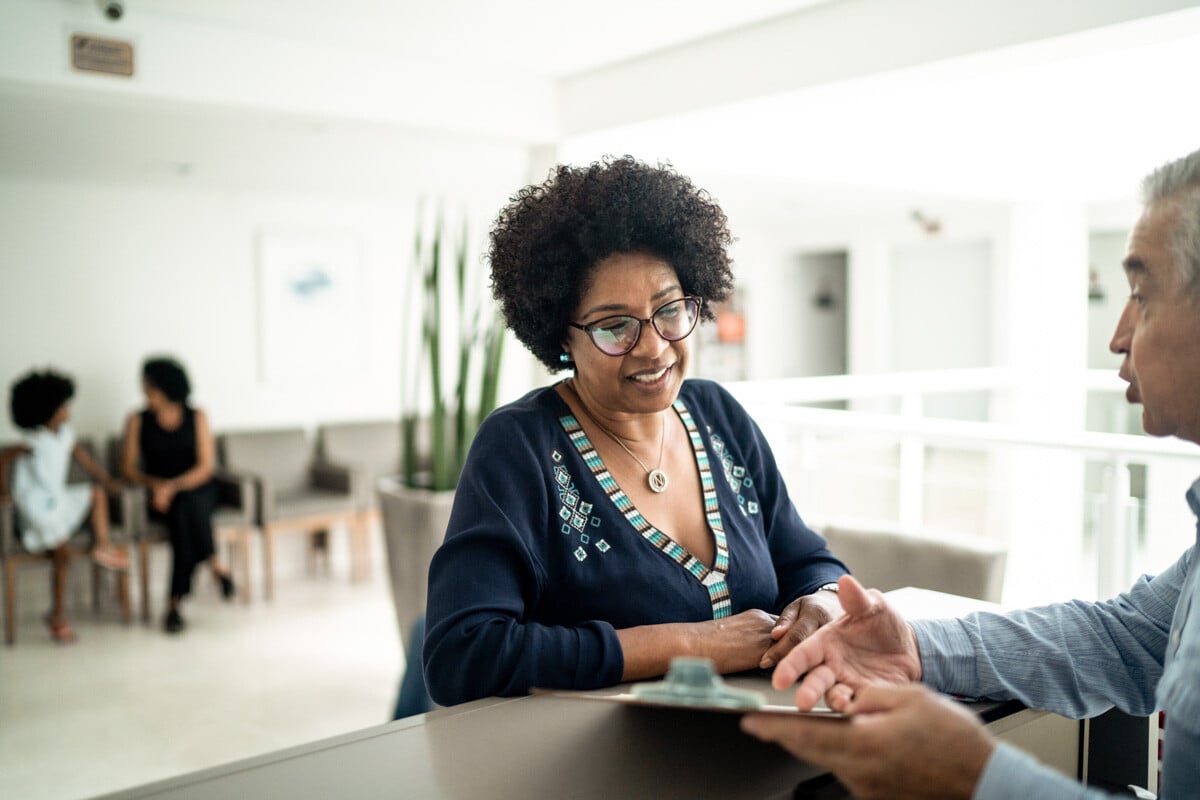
x=656 y=479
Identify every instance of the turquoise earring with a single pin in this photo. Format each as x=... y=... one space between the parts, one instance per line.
x=565 y=358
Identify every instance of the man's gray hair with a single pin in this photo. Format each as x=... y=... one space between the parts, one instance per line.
x=1179 y=182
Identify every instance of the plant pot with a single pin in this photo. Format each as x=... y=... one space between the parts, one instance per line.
x=414 y=524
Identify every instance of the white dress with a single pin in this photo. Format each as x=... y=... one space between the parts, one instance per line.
x=48 y=509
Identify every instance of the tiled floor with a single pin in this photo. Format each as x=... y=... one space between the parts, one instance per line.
x=127 y=704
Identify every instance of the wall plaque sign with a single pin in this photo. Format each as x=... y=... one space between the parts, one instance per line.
x=98 y=54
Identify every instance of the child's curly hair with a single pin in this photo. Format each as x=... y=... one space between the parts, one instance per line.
x=37 y=396
x=546 y=242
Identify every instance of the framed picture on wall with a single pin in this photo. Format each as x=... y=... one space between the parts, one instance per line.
x=312 y=307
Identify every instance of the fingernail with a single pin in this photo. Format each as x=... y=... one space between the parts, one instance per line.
x=766 y=663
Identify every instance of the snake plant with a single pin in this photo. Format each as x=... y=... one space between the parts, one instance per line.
x=458 y=360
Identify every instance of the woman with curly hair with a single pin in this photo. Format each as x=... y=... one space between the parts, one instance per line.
x=625 y=515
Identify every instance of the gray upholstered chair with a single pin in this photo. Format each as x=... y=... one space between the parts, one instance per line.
x=370 y=450
x=890 y=558
x=16 y=557
x=233 y=525
x=294 y=492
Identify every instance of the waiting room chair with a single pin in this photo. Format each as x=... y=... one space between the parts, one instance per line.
x=295 y=493
x=370 y=450
x=890 y=558
x=233 y=525
x=16 y=557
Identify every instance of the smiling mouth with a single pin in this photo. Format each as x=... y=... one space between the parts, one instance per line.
x=650 y=377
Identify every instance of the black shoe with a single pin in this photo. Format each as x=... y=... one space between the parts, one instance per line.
x=226 y=586
x=174 y=622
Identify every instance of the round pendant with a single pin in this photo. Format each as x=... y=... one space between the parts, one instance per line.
x=658 y=481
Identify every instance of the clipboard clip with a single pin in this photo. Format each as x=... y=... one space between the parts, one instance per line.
x=694 y=682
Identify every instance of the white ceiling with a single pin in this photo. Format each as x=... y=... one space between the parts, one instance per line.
x=1077 y=118
x=1081 y=115
x=548 y=38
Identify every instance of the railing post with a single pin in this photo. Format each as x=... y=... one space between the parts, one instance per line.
x=1114 y=545
x=911 y=480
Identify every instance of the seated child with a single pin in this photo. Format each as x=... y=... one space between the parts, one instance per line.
x=49 y=509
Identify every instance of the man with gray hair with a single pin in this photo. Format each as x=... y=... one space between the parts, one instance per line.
x=1139 y=651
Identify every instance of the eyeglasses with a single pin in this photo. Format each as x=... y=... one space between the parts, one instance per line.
x=616 y=336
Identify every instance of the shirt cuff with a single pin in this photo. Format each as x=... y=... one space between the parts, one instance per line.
x=947 y=656
x=1011 y=774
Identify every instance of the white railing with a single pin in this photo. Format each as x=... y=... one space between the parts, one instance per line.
x=794 y=429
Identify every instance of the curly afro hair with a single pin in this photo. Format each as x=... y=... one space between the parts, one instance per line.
x=37 y=396
x=549 y=238
x=169 y=377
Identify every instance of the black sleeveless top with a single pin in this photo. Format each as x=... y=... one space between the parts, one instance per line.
x=168 y=454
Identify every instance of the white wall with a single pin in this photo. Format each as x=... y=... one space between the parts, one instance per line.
x=1106 y=251
x=817 y=342
x=95 y=277
x=879 y=237
x=941 y=315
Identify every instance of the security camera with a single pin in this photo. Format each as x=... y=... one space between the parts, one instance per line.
x=112 y=9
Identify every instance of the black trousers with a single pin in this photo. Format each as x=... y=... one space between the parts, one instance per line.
x=190 y=529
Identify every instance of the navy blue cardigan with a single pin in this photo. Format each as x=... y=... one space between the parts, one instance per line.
x=545 y=557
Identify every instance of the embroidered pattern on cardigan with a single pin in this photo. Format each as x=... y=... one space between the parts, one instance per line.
x=714 y=579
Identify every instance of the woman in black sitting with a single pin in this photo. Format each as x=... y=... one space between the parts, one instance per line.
x=169 y=449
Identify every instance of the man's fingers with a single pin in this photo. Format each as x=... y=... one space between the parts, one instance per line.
x=813 y=687
x=839 y=697
x=882 y=697
x=853 y=597
x=797 y=662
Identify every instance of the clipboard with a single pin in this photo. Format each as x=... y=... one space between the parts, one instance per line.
x=692 y=684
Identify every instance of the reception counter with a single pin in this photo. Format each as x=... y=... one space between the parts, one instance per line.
x=552 y=747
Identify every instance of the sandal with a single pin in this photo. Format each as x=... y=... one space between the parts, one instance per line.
x=60 y=630
x=111 y=557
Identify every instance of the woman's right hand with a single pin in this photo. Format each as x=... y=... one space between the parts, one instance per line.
x=736 y=643
x=161 y=495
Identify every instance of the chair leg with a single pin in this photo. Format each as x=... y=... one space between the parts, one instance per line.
x=243 y=538
x=10 y=602
x=310 y=555
x=268 y=562
x=97 y=579
x=360 y=536
x=144 y=577
x=123 y=592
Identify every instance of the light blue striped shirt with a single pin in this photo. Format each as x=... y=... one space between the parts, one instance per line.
x=1138 y=652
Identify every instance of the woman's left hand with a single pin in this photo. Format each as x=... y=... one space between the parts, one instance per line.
x=798 y=621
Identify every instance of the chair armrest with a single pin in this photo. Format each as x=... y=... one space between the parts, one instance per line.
x=236 y=490
x=337 y=477
x=258 y=488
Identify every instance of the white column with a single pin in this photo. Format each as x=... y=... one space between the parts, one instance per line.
x=868 y=304
x=1042 y=328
